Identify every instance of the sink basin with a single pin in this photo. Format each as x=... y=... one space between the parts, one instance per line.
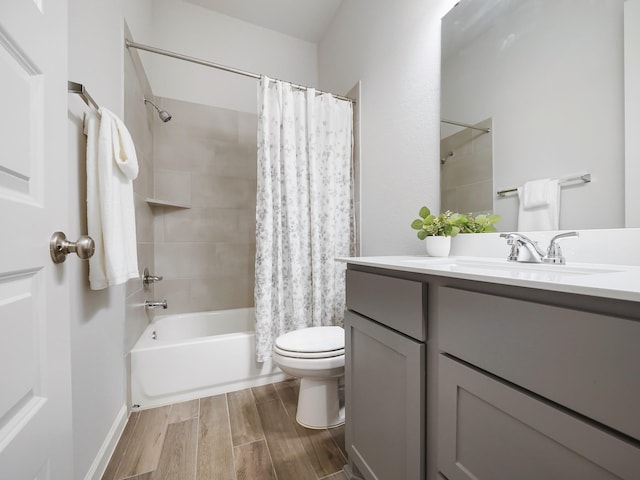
x=502 y=267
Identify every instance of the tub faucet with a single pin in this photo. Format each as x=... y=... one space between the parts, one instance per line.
x=155 y=304
x=532 y=254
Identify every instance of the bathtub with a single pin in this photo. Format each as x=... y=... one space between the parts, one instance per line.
x=187 y=356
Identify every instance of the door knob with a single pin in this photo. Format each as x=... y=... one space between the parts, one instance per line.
x=60 y=247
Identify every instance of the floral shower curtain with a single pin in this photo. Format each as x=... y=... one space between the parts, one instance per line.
x=304 y=210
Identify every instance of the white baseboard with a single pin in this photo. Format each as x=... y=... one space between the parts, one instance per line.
x=101 y=461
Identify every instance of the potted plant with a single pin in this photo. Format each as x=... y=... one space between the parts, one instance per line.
x=437 y=230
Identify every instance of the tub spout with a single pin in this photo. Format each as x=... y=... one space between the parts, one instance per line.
x=155 y=304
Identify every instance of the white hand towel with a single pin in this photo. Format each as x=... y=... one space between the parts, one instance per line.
x=112 y=166
x=540 y=209
x=535 y=193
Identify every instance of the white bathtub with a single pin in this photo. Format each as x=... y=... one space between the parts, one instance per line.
x=193 y=355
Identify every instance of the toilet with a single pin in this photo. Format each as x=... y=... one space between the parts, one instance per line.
x=316 y=356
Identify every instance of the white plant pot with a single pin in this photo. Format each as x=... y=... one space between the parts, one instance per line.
x=438 y=246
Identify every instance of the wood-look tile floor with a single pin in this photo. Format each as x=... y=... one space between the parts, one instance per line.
x=250 y=434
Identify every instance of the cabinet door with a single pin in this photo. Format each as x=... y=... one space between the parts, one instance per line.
x=384 y=391
x=489 y=430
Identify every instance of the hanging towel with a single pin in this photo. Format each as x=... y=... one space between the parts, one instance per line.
x=539 y=205
x=112 y=166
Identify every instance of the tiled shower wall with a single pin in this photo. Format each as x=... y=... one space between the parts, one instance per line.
x=205 y=158
x=466 y=177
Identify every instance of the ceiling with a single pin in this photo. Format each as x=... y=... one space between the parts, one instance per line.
x=304 y=19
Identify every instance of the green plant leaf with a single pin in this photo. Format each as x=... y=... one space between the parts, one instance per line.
x=424 y=212
x=457 y=218
x=422 y=234
x=416 y=224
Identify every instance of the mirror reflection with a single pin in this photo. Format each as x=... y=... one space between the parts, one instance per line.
x=532 y=97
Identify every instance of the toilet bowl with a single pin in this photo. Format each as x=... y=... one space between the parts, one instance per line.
x=316 y=356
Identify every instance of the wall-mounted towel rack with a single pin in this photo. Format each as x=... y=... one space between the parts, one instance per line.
x=78 y=88
x=585 y=178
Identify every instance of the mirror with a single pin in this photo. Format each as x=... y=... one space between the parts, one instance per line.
x=541 y=84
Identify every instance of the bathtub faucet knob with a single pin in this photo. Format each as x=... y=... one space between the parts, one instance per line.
x=148 y=279
x=155 y=304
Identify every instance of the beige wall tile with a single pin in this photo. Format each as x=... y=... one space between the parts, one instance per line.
x=172 y=186
x=206 y=253
x=144 y=219
x=232 y=160
x=475 y=198
x=221 y=294
x=207 y=225
x=466 y=178
x=211 y=190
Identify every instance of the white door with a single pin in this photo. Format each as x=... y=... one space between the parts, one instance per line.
x=35 y=382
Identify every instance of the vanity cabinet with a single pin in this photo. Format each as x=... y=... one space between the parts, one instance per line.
x=385 y=376
x=510 y=383
x=533 y=391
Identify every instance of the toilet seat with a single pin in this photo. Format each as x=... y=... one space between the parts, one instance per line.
x=312 y=342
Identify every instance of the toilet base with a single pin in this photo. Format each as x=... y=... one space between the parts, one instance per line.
x=319 y=403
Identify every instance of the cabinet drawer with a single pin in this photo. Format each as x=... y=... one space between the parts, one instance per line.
x=489 y=430
x=584 y=361
x=394 y=302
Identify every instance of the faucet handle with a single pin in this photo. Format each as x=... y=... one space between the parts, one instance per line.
x=148 y=279
x=511 y=237
x=554 y=253
x=515 y=247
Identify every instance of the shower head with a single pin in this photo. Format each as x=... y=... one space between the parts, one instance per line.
x=163 y=114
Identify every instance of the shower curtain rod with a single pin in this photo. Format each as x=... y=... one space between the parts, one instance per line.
x=206 y=63
x=466 y=125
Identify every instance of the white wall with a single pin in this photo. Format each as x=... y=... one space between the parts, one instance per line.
x=550 y=77
x=394 y=48
x=632 y=110
x=98 y=318
x=139 y=17
x=198 y=32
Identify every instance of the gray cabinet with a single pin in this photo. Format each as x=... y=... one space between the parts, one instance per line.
x=489 y=429
x=520 y=385
x=532 y=391
x=384 y=373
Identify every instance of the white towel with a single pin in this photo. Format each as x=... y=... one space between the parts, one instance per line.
x=535 y=193
x=112 y=166
x=539 y=205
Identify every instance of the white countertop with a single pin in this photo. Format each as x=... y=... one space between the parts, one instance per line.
x=620 y=282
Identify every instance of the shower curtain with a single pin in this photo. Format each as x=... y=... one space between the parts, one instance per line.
x=304 y=210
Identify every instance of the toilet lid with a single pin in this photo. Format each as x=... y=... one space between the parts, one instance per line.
x=312 y=340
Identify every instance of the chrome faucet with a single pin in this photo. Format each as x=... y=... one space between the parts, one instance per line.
x=554 y=254
x=155 y=304
x=533 y=252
